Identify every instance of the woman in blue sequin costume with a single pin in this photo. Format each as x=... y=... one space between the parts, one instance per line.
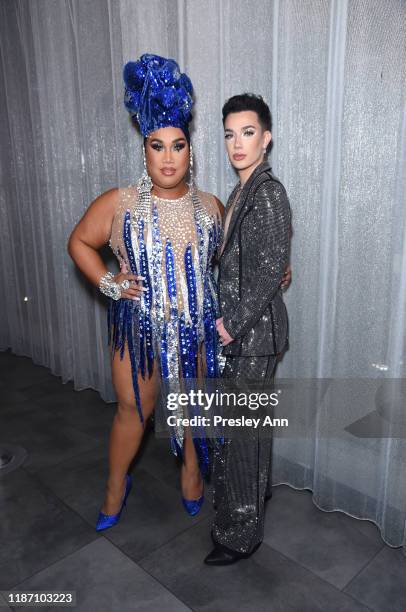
x=163 y=307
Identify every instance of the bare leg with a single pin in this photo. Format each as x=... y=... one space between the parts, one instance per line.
x=127 y=430
x=191 y=478
x=192 y=483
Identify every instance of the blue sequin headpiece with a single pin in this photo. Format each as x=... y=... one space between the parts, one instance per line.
x=157 y=94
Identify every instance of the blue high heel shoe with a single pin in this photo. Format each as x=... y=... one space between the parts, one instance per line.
x=192 y=506
x=108 y=520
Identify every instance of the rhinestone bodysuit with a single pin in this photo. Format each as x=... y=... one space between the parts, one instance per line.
x=172 y=244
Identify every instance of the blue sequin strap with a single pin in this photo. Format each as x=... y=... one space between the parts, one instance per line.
x=124 y=320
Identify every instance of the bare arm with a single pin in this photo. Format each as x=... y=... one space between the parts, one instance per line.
x=91 y=233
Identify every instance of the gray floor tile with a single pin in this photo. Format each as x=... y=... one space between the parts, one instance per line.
x=326 y=543
x=21 y=373
x=382 y=584
x=7 y=357
x=267 y=581
x=80 y=481
x=67 y=398
x=15 y=407
x=157 y=458
x=9 y=397
x=153 y=514
x=49 y=508
x=46 y=387
x=104 y=580
x=3 y=605
x=82 y=410
x=366 y=527
x=36 y=528
x=47 y=438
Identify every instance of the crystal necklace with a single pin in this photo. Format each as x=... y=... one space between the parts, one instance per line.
x=143 y=210
x=187 y=198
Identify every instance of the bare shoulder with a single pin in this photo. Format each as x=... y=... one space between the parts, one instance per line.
x=106 y=202
x=94 y=227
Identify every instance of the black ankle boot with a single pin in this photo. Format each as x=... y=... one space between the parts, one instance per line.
x=221 y=555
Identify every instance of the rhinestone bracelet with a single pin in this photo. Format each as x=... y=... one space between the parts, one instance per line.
x=109 y=287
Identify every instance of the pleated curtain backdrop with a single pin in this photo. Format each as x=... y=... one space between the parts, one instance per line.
x=333 y=72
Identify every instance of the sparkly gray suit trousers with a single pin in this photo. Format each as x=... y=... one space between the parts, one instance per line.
x=241 y=466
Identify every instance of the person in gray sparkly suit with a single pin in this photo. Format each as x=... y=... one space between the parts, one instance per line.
x=253 y=327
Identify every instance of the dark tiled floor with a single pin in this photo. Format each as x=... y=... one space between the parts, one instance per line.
x=152 y=560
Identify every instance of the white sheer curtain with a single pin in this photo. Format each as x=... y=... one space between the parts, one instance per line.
x=333 y=72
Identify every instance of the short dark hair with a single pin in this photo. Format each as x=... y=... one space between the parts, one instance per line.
x=249 y=102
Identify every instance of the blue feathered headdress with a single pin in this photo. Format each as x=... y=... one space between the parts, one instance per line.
x=157 y=94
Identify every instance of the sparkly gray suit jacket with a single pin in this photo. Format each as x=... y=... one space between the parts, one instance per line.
x=252 y=264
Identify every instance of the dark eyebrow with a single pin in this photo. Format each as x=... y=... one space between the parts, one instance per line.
x=243 y=128
x=181 y=139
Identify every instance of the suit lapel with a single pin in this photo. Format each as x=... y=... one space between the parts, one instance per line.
x=241 y=202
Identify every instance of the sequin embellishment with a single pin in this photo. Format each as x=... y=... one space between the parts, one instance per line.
x=172 y=247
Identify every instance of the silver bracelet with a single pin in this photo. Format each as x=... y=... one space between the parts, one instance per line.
x=109 y=287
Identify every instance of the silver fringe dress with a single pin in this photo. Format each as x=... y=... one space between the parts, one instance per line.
x=172 y=244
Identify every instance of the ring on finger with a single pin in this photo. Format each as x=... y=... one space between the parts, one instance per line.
x=125 y=284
